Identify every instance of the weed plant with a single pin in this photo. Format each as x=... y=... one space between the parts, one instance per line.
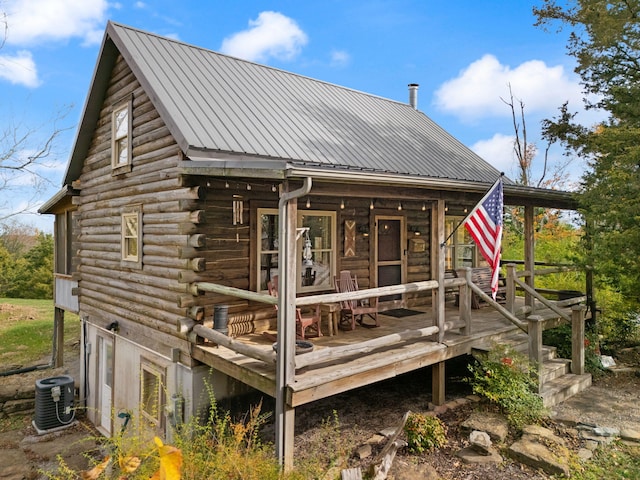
x=507 y=379
x=424 y=432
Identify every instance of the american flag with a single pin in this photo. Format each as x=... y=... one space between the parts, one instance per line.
x=484 y=224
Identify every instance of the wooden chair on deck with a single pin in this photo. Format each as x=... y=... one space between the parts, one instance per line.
x=312 y=319
x=354 y=310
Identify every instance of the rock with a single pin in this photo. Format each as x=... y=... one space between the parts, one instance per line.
x=438 y=409
x=473 y=398
x=376 y=440
x=630 y=435
x=363 y=451
x=403 y=470
x=568 y=419
x=495 y=425
x=536 y=455
x=606 y=431
x=480 y=442
x=585 y=454
x=470 y=455
x=536 y=432
x=388 y=432
x=591 y=445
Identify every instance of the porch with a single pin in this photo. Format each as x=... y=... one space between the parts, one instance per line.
x=354 y=358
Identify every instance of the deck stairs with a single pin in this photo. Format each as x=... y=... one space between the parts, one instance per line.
x=557 y=383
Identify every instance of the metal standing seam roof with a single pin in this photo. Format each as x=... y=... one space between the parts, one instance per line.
x=213 y=103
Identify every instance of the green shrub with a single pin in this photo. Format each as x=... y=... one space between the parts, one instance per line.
x=424 y=432
x=560 y=337
x=506 y=378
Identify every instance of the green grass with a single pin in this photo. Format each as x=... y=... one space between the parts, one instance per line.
x=26 y=331
x=614 y=462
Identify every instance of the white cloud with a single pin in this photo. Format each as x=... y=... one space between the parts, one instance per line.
x=340 y=58
x=498 y=151
x=476 y=91
x=35 y=21
x=270 y=35
x=19 y=69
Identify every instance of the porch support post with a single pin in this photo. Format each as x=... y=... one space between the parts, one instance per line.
x=285 y=363
x=511 y=288
x=577 y=339
x=438 y=383
x=58 y=337
x=529 y=256
x=535 y=342
x=438 y=262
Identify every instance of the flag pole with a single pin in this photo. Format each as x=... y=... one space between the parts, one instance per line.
x=469 y=214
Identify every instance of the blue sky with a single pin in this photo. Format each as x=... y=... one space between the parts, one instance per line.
x=464 y=54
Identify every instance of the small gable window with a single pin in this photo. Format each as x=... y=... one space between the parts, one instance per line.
x=121 y=138
x=131 y=237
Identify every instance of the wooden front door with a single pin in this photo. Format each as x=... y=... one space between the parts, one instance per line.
x=105 y=383
x=390 y=253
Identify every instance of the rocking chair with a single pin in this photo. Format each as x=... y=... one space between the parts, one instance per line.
x=312 y=319
x=354 y=310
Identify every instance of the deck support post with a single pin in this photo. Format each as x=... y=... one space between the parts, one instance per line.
x=535 y=324
x=58 y=337
x=438 y=383
x=577 y=339
x=529 y=256
x=286 y=345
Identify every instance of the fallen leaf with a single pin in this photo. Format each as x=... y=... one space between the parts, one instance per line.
x=129 y=464
x=170 y=461
x=96 y=471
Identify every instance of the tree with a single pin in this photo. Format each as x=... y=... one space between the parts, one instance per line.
x=32 y=274
x=25 y=152
x=604 y=38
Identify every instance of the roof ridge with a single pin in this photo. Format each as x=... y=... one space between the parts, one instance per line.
x=261 y=65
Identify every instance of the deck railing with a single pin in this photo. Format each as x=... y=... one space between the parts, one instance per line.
x=335 y=353
x=554 y=315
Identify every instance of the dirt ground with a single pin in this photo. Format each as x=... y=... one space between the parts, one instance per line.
x=611 y=401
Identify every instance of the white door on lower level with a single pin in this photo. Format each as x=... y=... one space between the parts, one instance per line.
x=105 y=382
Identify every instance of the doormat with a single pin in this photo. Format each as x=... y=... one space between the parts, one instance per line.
x=401 y=312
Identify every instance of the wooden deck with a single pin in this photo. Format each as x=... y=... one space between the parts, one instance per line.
x=332 y=377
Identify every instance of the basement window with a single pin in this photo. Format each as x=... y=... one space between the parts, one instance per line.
x=121 y=138
x=151 y=392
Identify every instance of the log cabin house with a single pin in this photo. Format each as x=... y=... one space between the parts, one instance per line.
x=195 y=178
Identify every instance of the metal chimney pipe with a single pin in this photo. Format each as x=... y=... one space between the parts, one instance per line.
x=413 y=95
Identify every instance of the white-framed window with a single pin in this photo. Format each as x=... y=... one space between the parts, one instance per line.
x=461 y=251
x=316 y=263
x=151 y=392
x=121 y=137
x=131 y=236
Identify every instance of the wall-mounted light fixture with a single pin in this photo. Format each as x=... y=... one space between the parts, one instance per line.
x=371 y=207
x=399 y=206
x=424 y=206
x=308 y=203
x=342 y=204
x=414 y=230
